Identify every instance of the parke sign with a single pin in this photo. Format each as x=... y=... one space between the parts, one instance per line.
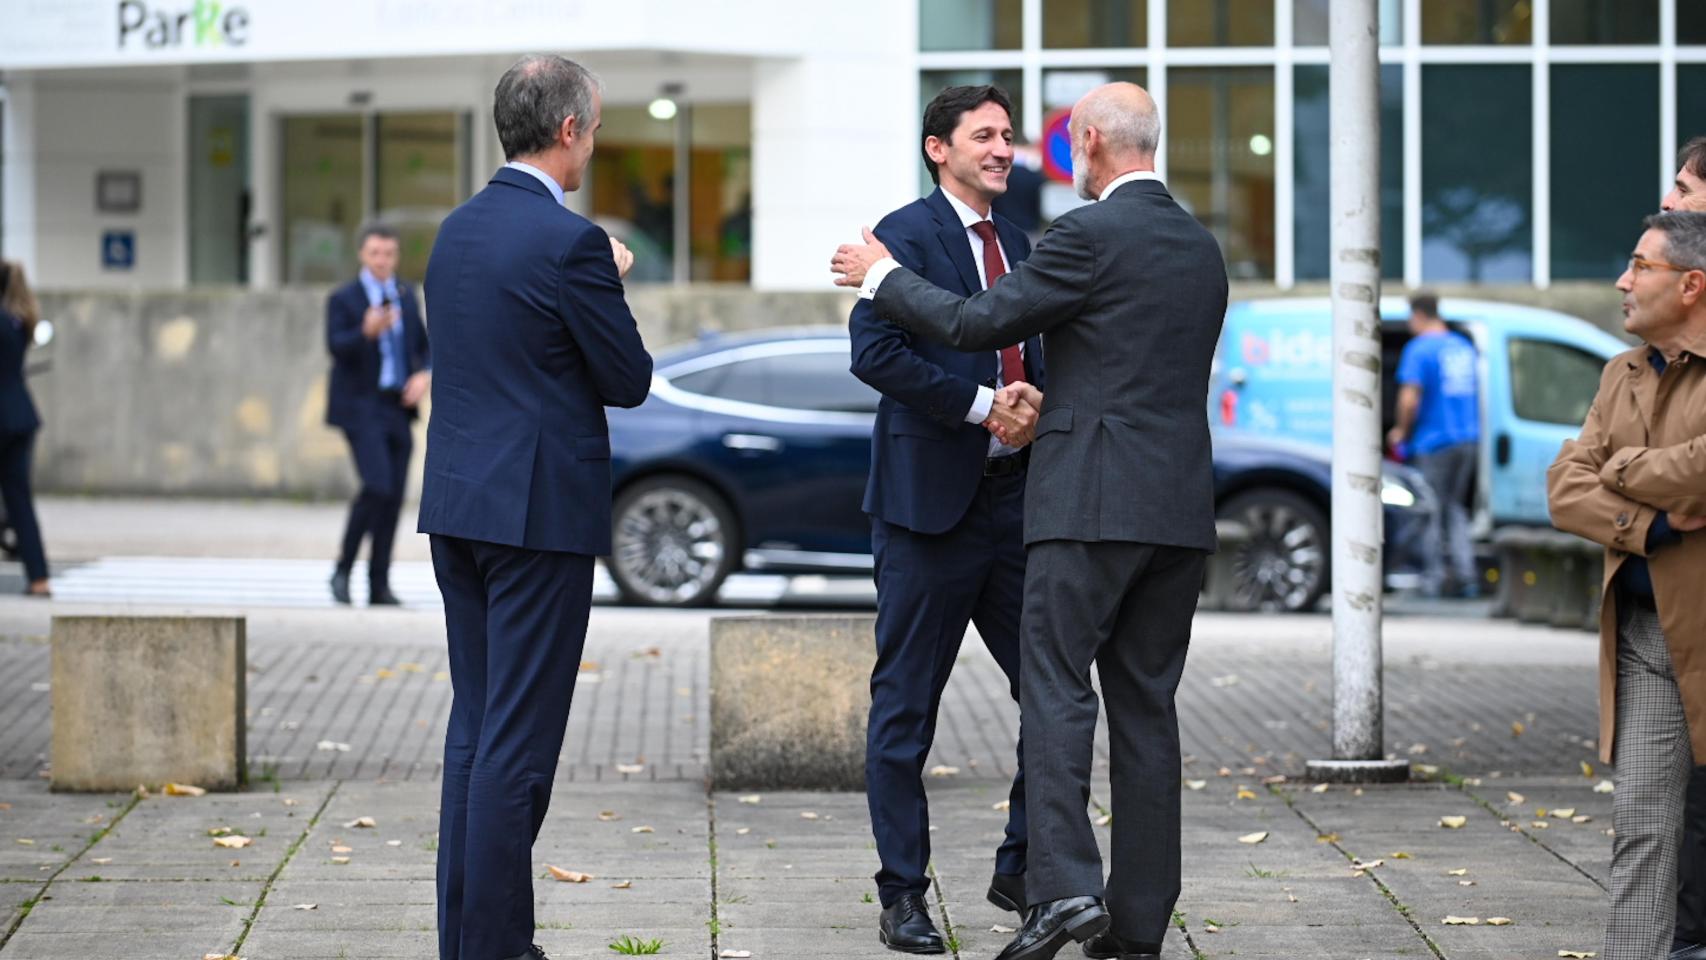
x=204 y=23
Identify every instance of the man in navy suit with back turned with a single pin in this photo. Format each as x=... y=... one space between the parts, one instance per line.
x=380 y=373
x=535 y=340
x=946 y=498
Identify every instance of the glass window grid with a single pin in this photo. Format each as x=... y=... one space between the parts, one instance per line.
x=1031 y=59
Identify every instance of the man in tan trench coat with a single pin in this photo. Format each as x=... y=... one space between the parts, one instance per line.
x=1635 y=481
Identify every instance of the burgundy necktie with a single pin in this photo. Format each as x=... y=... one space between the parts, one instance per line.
x=1012 y=362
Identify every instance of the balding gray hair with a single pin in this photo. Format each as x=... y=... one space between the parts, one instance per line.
x=535 y=96
x=1685 y=237
x=1125 y=130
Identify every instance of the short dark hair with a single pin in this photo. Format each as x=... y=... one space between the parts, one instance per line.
x=943 y=114
x=1692 y=157
x=1685 y=237
x=383 y=231
x=1426 y=304
x=533 y=99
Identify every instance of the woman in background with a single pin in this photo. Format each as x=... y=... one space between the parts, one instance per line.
x=19 y=422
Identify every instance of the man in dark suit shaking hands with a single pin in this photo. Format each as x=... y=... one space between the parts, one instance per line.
x=1128 y=293
x=534 y=341
x=946 y=498
x=381 y=370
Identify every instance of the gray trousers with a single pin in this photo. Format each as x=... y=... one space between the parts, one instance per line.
x=1451 y=473
x=1654 y=762
x=1126 y=609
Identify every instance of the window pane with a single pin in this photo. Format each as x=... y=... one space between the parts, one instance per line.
x=1095 y=23
x=1690 y=103
x=1221 y=23
x=1220 y=159
x=1593 y=229
x=932 y=82
x=219 y=189
x=1309 y=23
x=419 y=181
x=1477 y=184
x=1313 y=207
x=1551 y=382
x=321 y=197
x=819 y=381
x=969 y=25
x=721 y=226
x=1607 y=21
x=1061 y=89
x=1477 y=21
x=1690 y=22
x=632 y=181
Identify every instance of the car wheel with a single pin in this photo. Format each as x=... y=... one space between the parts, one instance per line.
x=673 y=543
x=1283 y=565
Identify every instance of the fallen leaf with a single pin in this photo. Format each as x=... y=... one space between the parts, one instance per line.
x=441 y=676
x=1245 y=793
x=630 y=767
x=1277 y=778
x=1461 y=921
x=306 y=906
x=340 y=861
x=1466 y=883
x=1580 y=818
x=233 y=842
x=5 y=806
x=364 y=823
x=218 y=831
x=1517 y=728
x=589 y=666
x=1540 y=811
x=642 y=830
x=1195 y=784
x=343 y=849
x=998 y=928
x=182 y=790
x=1253 y=837
x=1604 y=786
x=1004 y=806
x=1578 y=954
x=568 y=876
x=941 y=770
x=1401 y=855
x=330 y=746
x=743 y=831
x=385 y=674
x=1210 y=928
x=1540 y=824
x=1460 y=872
x=1418 y=748
x=1326 y=838
x=411 y=668
x=393 y=843
x=1366 y=864
x=1587 y=769
x=735 y=954
x=1453 y=823
x=1564 y=813
x=807 y=815
x=220 y=956
x=1104 y=819
x=1498 y=921
x=1515 y=797
x=1319 y=788
x=1230 y=680
x=751 y=798
x=1223 y=772
x=624 y=885
x=27 y=843
x=1426 y=769
x=101 y=861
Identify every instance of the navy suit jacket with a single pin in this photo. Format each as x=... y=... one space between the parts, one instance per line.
x=17 y=410
x=352 y=394
x=534 y=341
x=926 y=460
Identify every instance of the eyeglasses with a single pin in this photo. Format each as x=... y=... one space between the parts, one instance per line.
x=1640 y=264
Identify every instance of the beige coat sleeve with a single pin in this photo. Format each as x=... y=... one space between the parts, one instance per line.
x=1668 y=478
x=1580 y=503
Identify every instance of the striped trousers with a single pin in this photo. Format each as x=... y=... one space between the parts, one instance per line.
x=1654 y=761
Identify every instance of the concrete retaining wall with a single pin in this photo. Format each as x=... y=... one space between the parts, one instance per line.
x=221 y=392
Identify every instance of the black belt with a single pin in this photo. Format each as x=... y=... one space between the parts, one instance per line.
x=395 y=396
x=1637 y=601
x=1008 y=465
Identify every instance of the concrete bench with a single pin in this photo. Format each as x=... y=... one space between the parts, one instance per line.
x=148 y=700
x=789 y=701
x=1546 y=576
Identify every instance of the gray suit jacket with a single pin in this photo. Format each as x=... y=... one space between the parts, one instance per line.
x=1128 y=294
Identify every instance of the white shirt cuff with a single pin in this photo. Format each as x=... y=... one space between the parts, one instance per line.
x=981 y=405
x=874 y=277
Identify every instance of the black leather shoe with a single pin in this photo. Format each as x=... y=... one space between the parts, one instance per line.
x=1688 y=951
x=1106 y=946
x=1053 y=923
x=1007 y=891
x=906 y=926
x=382 y=597
x=533 y=953
x=340 y=586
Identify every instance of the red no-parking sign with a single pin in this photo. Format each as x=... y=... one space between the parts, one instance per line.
x=1057 y=146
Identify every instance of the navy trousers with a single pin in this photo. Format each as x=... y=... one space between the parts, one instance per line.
x=381 y=451
x=516 y=621
x=929 y=587
x=15 y=456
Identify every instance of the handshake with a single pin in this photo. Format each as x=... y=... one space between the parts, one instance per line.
x=1013 y=416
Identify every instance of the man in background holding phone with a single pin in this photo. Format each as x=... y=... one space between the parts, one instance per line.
x=381 y=370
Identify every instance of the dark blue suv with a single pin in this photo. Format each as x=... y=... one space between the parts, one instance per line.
x=752 y=450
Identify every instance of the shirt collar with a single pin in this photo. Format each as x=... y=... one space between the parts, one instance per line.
x=540 y=175
x=376 y=291
x=968 y=216
x=1126 y=178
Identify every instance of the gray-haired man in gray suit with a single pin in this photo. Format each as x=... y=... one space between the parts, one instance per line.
x=1128 y=294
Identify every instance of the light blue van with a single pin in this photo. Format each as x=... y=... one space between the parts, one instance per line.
x=1539 y=371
